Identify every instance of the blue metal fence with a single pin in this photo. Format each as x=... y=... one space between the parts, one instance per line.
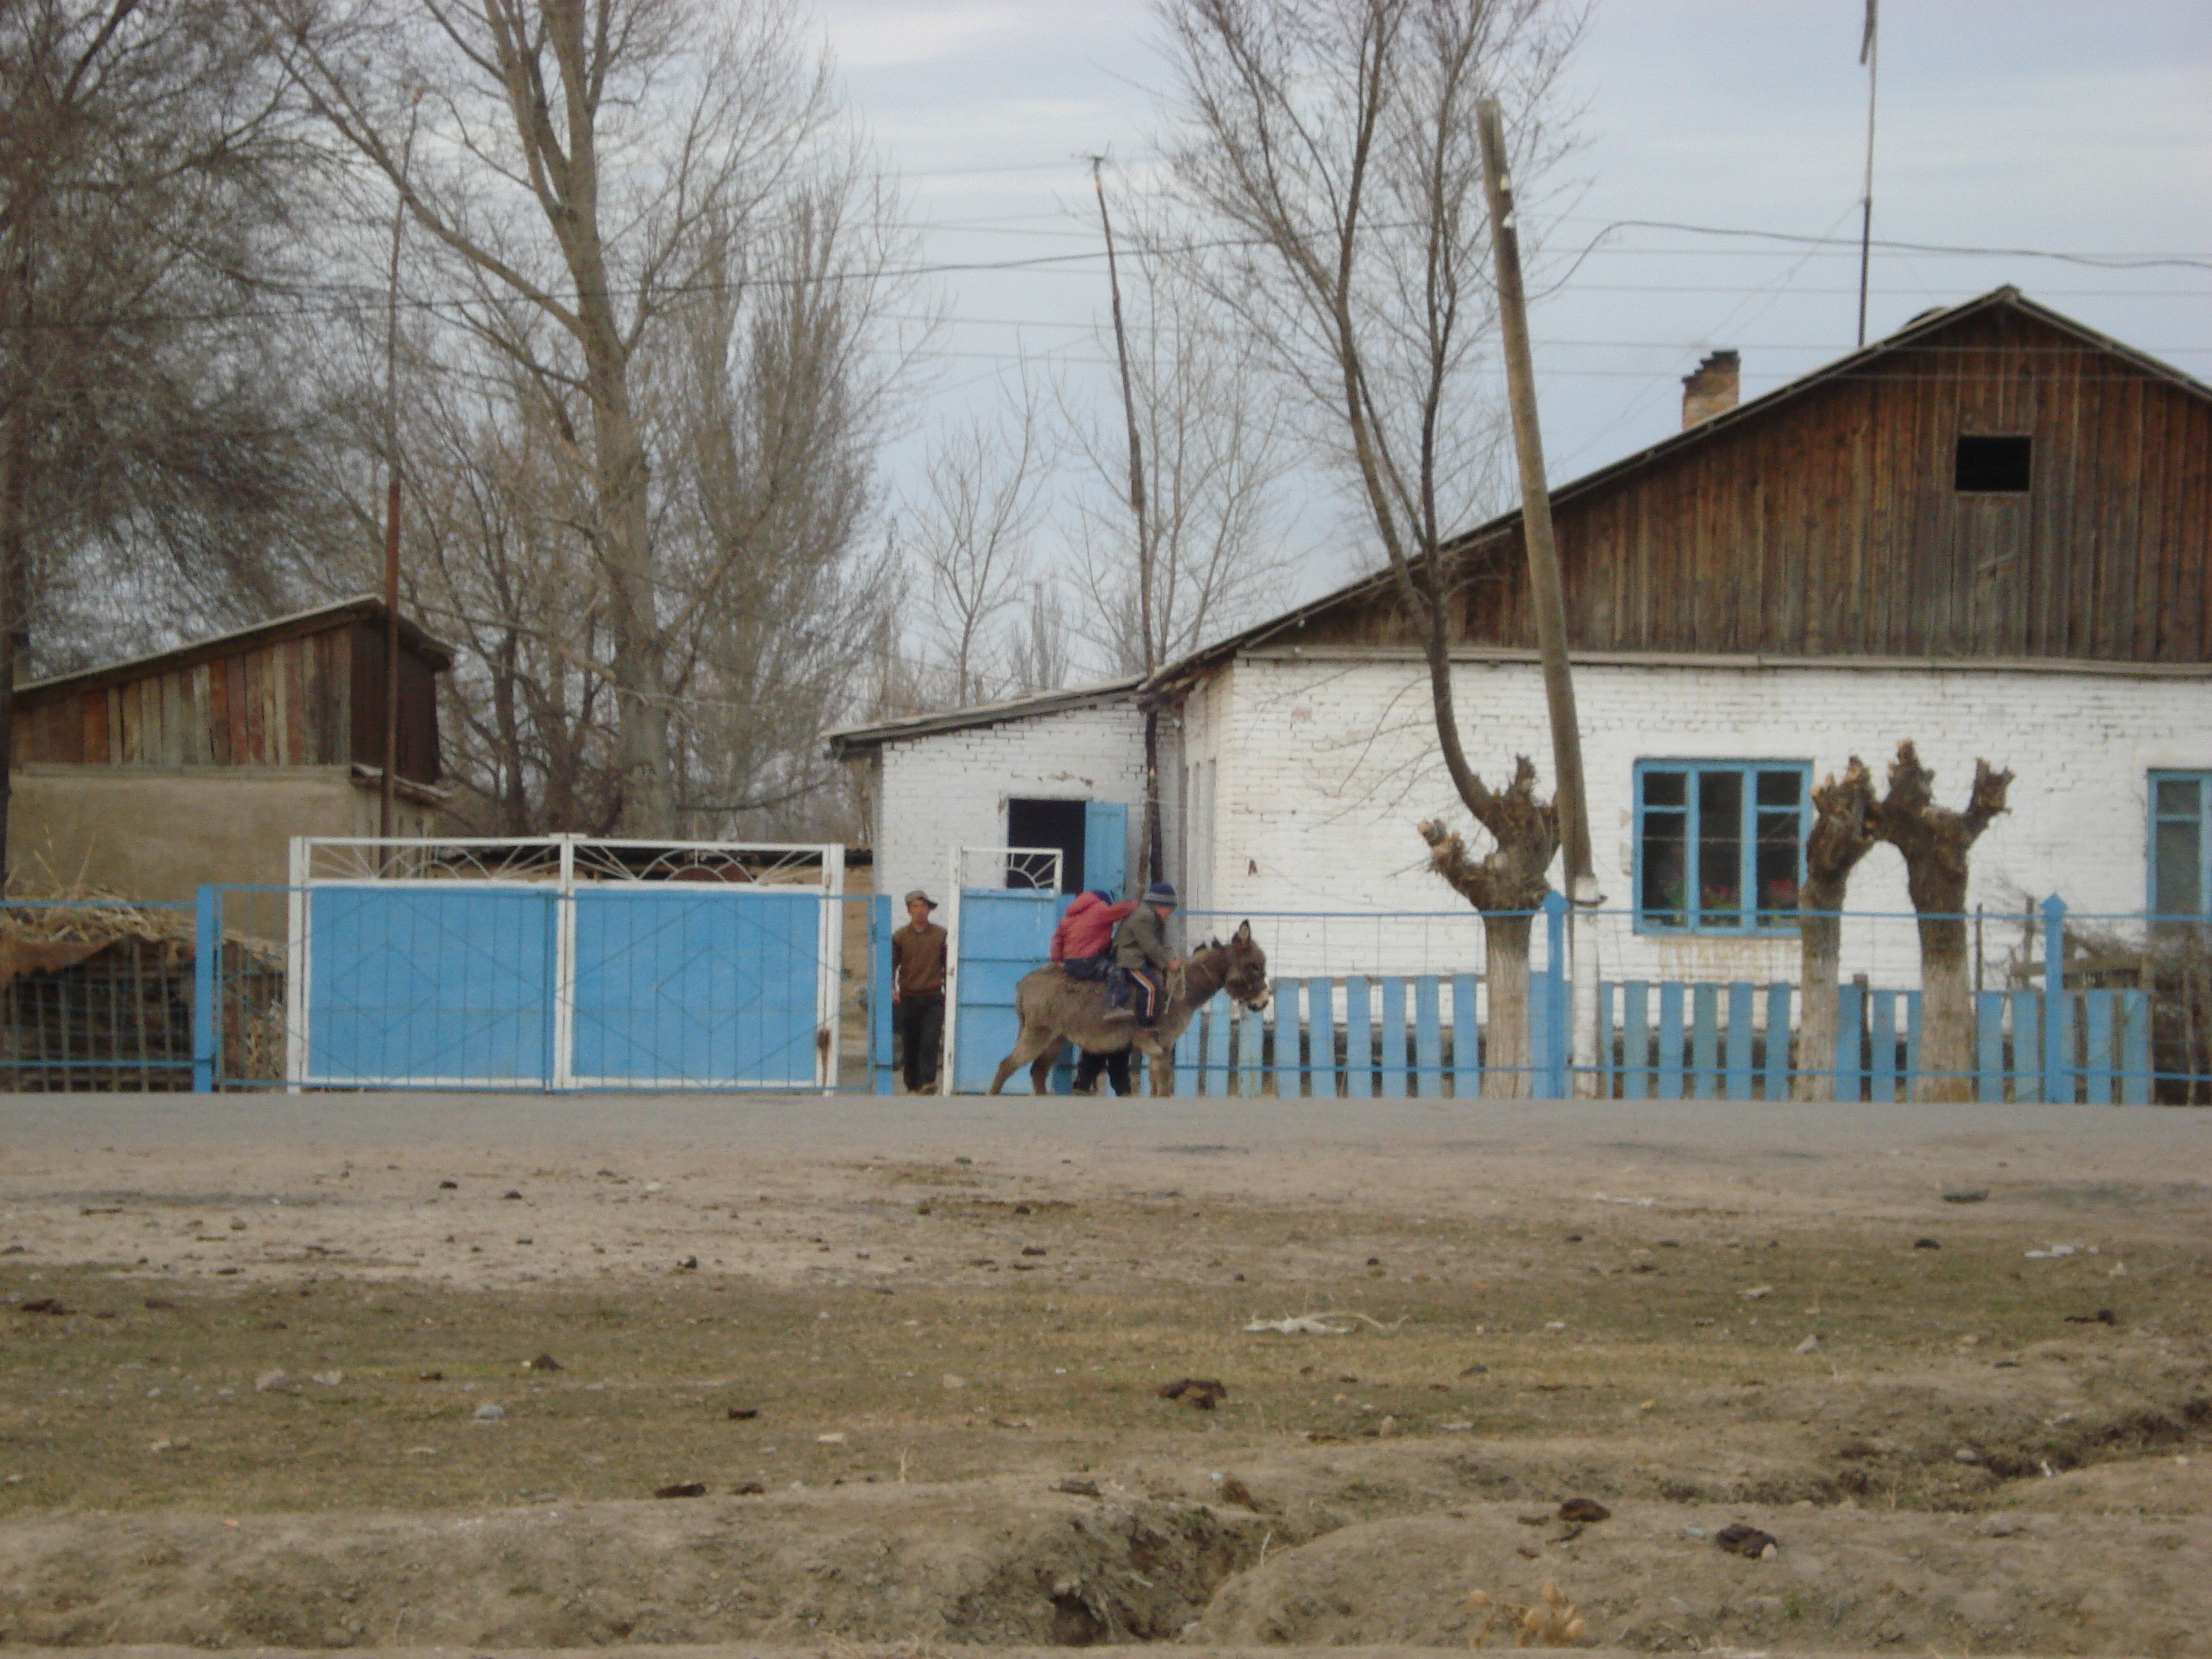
x=1422 y=1033
x=556 y=964
x=707 y=985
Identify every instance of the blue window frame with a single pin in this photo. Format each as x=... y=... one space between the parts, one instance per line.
x=1720 y=845
x=2181 y=843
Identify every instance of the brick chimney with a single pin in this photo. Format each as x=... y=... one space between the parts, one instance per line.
x=1712 y=390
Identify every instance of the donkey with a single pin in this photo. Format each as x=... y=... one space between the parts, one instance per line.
x=1057 y=1010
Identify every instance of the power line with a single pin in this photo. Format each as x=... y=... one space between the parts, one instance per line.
x=2110 y=261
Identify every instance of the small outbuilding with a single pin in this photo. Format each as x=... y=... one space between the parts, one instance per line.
x=148 y=777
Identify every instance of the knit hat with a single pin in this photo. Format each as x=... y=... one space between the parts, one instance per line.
x=1160 y=892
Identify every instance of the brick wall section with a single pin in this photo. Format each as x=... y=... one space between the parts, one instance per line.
x=1325 y=767
x=951 y=788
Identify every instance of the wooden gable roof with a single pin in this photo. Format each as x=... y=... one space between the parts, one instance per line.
x=306 y=689
x=1822 y=519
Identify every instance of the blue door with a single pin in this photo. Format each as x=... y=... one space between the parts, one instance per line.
x=1106 y=845
x=1004 y=933
x=682 y=985
x=434 y=984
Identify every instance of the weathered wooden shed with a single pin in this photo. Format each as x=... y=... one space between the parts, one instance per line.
x=150 y=776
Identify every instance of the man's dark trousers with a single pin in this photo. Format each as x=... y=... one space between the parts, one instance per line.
x=920 y=1020
x=1116 y=1065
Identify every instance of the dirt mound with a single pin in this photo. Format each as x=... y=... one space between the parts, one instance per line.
x=1652 y=1578
x=985 y=1563
x=2153 y=1485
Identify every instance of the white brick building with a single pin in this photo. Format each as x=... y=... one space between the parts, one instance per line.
x=1989 y=533
x=1017 y=774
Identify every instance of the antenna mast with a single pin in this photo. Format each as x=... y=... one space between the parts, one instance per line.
x=1869 y=55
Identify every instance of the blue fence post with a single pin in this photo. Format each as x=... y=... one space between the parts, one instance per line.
x=881 y=1077
x=2057 y=1073
x=1559 y=1006
x=207 y=979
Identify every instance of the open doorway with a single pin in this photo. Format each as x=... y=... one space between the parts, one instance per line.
x=1048 y=823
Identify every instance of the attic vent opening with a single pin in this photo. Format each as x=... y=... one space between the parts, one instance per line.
x=1994 y=467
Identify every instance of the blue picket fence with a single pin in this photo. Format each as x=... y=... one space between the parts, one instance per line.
x=1361 y=1037
x=1418 y=1035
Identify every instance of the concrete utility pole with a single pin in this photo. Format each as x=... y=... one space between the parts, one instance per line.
x=1568 y=799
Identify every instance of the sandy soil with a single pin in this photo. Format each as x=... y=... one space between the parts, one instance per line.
x=915 y=1372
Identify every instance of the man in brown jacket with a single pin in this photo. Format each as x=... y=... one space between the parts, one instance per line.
x=918 y=992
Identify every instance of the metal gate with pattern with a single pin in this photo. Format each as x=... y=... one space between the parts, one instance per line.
x=563 y=962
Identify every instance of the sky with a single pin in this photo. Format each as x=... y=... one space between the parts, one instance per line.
x=2029 y=128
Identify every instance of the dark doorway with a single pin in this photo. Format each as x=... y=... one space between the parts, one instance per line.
x=1047 y=823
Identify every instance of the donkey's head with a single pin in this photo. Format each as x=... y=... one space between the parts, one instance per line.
x=1247 y=968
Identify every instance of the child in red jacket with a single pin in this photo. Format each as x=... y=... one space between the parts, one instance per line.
x=1087 y=929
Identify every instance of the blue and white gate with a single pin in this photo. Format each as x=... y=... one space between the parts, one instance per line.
x=1005 y=902
x=563 y=963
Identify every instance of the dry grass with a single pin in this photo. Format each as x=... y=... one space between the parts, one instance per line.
x=1550 y=1621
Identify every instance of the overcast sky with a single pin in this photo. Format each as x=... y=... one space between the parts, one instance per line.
x=2061 y=126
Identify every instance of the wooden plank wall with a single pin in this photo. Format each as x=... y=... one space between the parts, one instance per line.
x=1832 y=527
x=285 y=704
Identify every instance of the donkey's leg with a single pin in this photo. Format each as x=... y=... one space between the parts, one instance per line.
x=1159 y=1061
x=1041 y=1073
x=1033 y=1040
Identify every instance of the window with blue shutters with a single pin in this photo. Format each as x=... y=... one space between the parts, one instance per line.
x=1720 y=845
x=2181 y=848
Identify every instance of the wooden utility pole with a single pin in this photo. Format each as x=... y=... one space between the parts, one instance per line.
x=1570 y=800
x=388 y=783
x=1150 y=838
x=1548 y=599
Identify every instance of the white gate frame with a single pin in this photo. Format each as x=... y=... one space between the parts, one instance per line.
x=957 y=858
x=580 y=862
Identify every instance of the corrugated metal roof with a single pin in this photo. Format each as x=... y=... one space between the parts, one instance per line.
x=845 y=739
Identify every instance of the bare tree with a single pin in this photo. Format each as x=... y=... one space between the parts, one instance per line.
x=1332 y=145
x=970 y=524
x=582 y=168
x=1845 y=827
x=1505 y=884
x=1935 y=841
x=646 y=395
x=146 y=170
x=1041 y=654
x=1217 y=451
x=1848 y=823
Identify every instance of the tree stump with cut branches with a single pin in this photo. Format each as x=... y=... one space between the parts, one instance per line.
x=1844 y=831
x=1506 y=885
x=1935 y=842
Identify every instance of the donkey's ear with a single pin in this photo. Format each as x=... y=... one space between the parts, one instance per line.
x=1244 y=933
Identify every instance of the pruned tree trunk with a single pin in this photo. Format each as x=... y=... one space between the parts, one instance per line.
x=1935 y=842
x=1842 y=833
x=1509 y=1065
x=1506 y=886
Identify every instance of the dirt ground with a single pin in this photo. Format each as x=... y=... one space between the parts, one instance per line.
x=424 y=1391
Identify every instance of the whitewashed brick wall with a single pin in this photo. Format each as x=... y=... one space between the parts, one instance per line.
x=951 y=788
x=1325 y=767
